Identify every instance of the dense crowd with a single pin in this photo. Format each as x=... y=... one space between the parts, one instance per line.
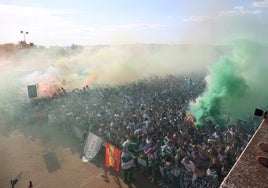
x=172 y=151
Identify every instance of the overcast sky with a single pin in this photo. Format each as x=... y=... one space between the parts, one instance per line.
x=90 y=22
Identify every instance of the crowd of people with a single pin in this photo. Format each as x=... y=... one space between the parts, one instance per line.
x=172 y=151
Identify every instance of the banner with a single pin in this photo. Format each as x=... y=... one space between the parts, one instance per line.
x=32 y=92
x=92 y=146
x=112 y=156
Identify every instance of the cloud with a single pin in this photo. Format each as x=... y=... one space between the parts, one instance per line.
x=39 y=22
x=57 y=26
x=26 y=10
x=223 y=26
x=198 y=18
x=33 y=16
x=120 y=28
x=262 y=4
x=239 y=10
x=170 y=17
x=137 y=26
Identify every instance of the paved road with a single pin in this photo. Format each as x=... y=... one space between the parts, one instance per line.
x=51 y=159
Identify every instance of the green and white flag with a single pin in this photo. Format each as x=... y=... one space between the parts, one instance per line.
x=92 y=146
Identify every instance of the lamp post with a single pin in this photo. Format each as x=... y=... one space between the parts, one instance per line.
x=24 y=33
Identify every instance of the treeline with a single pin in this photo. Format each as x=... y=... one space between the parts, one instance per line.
x=10 y=48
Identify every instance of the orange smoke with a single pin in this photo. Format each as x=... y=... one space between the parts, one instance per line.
x=90 y=79
x=47 y=90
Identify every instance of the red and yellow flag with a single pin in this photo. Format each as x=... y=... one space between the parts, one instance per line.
x=112 y=156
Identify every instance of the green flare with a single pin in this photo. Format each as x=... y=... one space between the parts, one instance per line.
x=234 y=85
x=225 y=85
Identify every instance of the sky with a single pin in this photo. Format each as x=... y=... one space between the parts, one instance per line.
x=92 y=22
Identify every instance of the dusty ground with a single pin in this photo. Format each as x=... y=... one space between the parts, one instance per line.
x=52 y=159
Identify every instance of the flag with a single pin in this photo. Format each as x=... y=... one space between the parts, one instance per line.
x=92 y=146
x=112 y=156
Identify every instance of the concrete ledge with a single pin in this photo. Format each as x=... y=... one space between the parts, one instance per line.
x=247 y=172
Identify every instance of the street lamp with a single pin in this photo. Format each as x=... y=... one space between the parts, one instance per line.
x=24 y=33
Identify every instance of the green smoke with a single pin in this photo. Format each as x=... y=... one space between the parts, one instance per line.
x=235 y=85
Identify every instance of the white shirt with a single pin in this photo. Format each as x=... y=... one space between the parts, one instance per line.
x=189 y=166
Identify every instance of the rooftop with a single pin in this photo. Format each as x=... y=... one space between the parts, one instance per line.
x=247 y=172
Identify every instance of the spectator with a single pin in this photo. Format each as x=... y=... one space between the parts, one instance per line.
x=189 y=166
x=226 y=167
x=30 y=184
x=262 y=159
x=13 y=182
x=154 y=110
x=212 y=174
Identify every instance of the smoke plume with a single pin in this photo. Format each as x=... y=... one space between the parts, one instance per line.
x=56 y=67
x=235 y=85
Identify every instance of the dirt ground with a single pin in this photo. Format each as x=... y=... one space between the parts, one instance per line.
x=51 y=159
